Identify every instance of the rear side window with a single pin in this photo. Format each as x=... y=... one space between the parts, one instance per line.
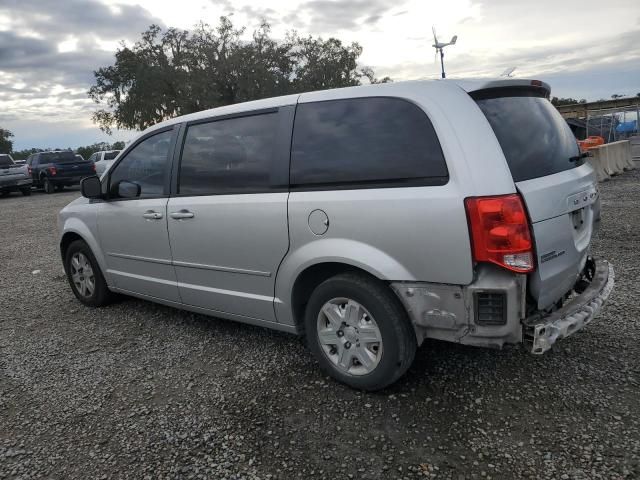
x=58 y=157
x=5 y=161
x=365 y=142
x=534 y=137
x=235 y=155
x=111 y=155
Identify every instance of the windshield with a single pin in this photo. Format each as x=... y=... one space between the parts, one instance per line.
x=5 y=161
x=534 y=137
x=58 y=157
x=111 y=155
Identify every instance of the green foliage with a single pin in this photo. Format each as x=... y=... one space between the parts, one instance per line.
x=566 y=101
x=6 y=144
x=175 y=72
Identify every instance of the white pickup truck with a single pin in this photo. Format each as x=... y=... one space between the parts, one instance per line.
x=14 y=177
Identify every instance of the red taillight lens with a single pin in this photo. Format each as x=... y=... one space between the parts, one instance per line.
x=93 y=167
x=29 y=170
x=52 y=170
x=500 y=232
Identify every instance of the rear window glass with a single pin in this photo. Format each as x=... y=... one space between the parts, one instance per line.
x=58 y=157
x=111 y=155
x=534 y=137
x=365 y=141
x=5 y=161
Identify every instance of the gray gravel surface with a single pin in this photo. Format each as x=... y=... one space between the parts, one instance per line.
x=137 y=390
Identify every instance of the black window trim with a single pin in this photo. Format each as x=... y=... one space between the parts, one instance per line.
x=284 y=117
x=435 y=181
x=107 y=180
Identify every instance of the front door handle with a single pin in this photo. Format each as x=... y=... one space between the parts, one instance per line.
x=181 y=215
x=151 y=215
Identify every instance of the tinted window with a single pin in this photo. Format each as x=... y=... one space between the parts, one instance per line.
x=111 y=155
x=93 y=156
x=370 y=140
x=534 y=137
x=145 y=165
x=5 y=161
x=234 y=155
x=58 y=157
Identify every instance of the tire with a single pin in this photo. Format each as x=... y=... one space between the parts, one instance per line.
x=5 y=193
x=26 y=191
x=47 y=185
x=100 y=295
x=59 y=188
x=374 y=306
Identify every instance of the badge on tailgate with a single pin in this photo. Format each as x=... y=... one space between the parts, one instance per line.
x=582 y=199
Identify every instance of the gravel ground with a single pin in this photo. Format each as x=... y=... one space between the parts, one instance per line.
x=137 y=390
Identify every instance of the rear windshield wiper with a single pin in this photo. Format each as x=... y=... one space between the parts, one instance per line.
x=580 y=157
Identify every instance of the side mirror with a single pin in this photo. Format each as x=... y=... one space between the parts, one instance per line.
x=128 y=189
x=90 y=187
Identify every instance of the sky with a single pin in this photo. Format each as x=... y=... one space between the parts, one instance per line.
x=50 y=48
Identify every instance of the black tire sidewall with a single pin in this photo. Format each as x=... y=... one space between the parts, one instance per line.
x=48 y=185
x=388 y=315
x=101 y=292
x=25 y=191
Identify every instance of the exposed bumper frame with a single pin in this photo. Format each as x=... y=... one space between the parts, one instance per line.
x=541 y=332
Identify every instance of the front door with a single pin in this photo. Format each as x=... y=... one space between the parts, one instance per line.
x=228 y=219
x=132 y=222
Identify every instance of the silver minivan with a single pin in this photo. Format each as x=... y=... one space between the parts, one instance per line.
x=366 y=219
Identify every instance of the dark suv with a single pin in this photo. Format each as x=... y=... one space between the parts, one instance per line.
x=58 y=169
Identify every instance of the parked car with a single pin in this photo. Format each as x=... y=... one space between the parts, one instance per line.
x=367 y=219
x=13 y=177
x=79 y=157
x=104 y=160
x=58 y=169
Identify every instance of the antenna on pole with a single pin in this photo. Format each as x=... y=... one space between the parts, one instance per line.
x=439 y=46
x=508 y=72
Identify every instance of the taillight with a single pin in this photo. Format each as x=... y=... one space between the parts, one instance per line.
x=29 y=170
x=93 y=167
x=52 y=170
x=500 y=232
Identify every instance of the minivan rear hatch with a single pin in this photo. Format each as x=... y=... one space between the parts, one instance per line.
x=559 y=189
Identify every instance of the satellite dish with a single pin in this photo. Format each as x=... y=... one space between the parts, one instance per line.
x=439 y=46
x=508 y=72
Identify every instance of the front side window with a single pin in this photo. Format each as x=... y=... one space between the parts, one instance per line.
x=145 y=165
x=365 y=141
x=235 y=155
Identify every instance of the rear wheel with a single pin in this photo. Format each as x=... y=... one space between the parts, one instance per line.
x=359 y=332
x=59 y=188
x=47 y=185
x=26 y=191
x=85 y=277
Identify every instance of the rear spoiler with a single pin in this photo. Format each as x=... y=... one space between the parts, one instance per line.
x=505 y=87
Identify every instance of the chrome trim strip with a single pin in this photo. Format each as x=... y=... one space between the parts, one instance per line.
x=220 y=291
x=221 y=269
x=201 y=266
x=141 y=259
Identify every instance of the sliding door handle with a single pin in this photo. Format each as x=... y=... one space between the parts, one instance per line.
x=181 y=215
x=151 y=215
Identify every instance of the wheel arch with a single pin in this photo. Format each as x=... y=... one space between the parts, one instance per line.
x=76 y=230
x=305 y=268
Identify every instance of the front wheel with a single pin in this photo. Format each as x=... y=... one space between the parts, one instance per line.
x=84 y=275
x=359 y=332
x=48 y=185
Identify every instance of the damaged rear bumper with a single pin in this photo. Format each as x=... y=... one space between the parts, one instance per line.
x=542 y=331
x=451 y=312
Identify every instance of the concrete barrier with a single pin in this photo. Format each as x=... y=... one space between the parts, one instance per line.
x=611 y=159
x=635 y=149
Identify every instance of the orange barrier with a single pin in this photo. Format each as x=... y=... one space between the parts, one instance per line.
x=591 y=142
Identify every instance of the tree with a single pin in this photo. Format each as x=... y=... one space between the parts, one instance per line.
x=6 y=144
x=566 y=101
x=175 y=72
